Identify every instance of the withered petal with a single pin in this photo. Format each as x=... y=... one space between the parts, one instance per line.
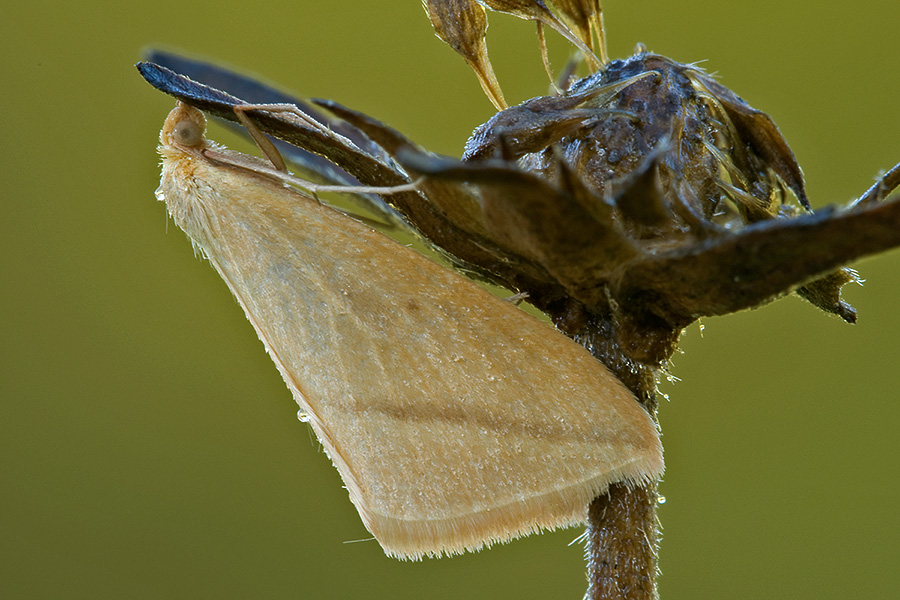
x=760 y=131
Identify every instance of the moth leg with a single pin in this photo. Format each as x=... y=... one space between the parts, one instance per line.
x=276 y=168
x=264 y=143
x=274 y=156
x=304 y=119
x=412 y=186
x=567 y=76
x=517 y=298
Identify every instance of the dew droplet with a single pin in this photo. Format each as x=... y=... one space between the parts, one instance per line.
x=302 y=416
x=660 y=499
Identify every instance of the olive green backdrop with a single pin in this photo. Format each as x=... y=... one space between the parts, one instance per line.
x=149 y=449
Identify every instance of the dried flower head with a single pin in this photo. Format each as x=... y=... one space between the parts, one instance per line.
x=633 y=202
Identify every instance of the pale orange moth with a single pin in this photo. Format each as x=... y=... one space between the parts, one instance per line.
x=454 y=418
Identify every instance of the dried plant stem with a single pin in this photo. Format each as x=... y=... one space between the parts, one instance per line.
x=622 y=537
x=622 y=543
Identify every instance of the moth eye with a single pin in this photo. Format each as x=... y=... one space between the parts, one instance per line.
x=187 y=133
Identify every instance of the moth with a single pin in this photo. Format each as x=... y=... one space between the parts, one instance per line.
x=454 y=418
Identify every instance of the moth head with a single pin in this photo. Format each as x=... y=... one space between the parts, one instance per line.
x=184 y=185
x=185 y=126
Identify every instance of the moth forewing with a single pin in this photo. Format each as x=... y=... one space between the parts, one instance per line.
x=454 y=418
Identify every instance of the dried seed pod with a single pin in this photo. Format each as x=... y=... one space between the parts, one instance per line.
x=536 y=10
x=722 y=161
x=585 y=17
x=462 y=24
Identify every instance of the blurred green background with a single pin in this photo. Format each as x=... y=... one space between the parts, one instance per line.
x=148 y=447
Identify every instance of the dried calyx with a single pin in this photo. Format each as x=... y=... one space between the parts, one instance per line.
x=647 y=166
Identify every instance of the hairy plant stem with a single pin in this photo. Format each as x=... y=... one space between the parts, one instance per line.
x=622 y=537
x=623 y=544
